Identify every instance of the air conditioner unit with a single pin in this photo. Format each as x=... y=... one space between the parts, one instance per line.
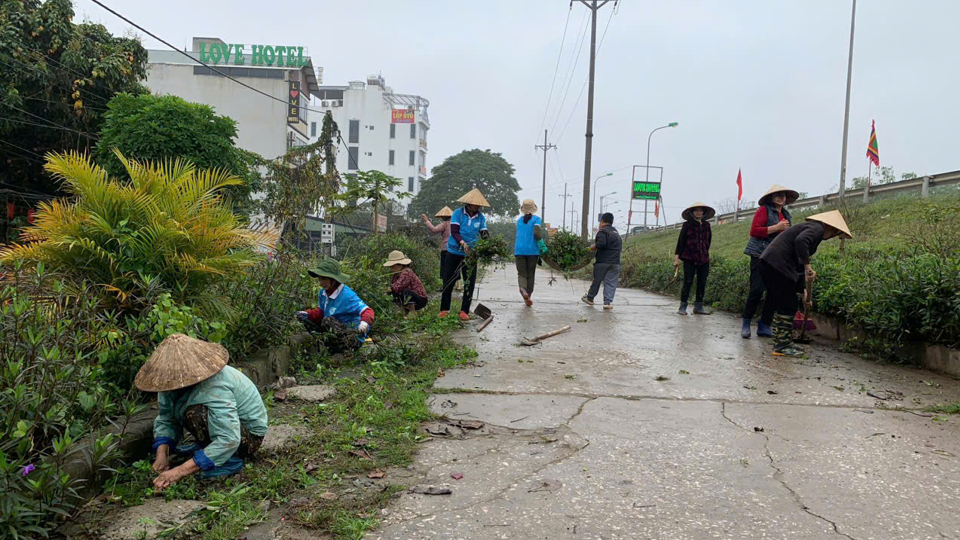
x=325 y=103
x=333 y=103
x=340 y=102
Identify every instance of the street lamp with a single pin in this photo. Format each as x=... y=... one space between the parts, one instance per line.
x=670 y=125
x=595 y=190
x=601 y=205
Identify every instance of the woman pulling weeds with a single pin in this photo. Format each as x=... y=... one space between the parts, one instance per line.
x=770 y=220
x=785 y=268
x=693 y=248
x=342 y=318
x=526 y=249
x=467 y=226
x=407 y=289
x=198 y=392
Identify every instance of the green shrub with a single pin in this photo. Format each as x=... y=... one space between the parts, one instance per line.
x=566 y=249
x=52 y=393
x=425 y=257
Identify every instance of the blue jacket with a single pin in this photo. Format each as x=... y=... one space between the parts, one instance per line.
x=470 y=228
x=343 y=305
x=526 y=244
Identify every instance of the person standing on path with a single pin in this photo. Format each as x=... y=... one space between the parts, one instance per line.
x=443 y=229
x=526 y=249
x=785 y=268
x=771 y=219
x=693 y=248
x=467 y=226
x=606 y=269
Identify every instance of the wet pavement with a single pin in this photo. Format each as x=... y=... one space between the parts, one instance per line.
x=641 y=423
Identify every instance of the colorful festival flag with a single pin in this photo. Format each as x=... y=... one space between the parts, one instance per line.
x=873 y=150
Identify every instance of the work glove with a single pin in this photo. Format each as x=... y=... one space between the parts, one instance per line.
x=302 y=316
x=542 y=246
x=363 y=327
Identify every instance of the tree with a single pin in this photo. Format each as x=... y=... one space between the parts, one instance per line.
x=884 y=175
x=155 y=128
x=726 y=206
x=458 y=174
x=57 y=78
x=375 y=187
x=166 y=225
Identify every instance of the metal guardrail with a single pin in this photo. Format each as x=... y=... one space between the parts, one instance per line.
x=921 y=183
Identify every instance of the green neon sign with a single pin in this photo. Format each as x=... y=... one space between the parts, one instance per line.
x=646 y=190
x=260 y=55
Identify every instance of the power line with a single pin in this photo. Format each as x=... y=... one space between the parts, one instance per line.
x=569 y=77
x=21 y=148
x=61 y=126
x=556 y=69
x=582 y=88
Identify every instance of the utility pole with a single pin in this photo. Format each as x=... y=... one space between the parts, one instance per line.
x=543 y=194
x=846 y=110
x=573 y=212
x=565 y=196
x=593 y=6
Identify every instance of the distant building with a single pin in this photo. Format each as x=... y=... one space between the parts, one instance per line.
x=381 y=130
x=266 y=126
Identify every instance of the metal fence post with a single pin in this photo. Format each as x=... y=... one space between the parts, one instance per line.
x=925 y=190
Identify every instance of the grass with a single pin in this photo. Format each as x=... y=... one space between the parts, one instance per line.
x=947 y=408
x=380 y=403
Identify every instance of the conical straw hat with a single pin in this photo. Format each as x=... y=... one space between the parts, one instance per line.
x=834 y=219
x=444 y=212
x=475 y=198
x=792 y=195
x=708 y=211
x=180 y=361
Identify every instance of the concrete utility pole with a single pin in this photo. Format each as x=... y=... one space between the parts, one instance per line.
x=594 y=6
x=846 y=110
x=543 y=194
x=565 y=197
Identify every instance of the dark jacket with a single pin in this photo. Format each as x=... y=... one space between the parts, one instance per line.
x=609 y=245
x=792 y=249
x=755 y=245
x=693 y=244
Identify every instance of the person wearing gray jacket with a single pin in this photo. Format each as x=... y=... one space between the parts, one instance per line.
x=606 y=269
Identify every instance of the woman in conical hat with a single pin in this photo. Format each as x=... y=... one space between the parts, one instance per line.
x=785 y=268
x=770 y=219
x=467 y=226
x=198 y=392
x=693 y=251
x=526 y=249
x=443 y=229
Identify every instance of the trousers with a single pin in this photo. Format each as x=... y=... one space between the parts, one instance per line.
x=407 y=297
x=195 y=422
x=609 y=275
x=526 y=271
x=701 y=271
x=756 y=294
x=455 y=268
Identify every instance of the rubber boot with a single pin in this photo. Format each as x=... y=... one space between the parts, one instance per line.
x=745 y=329
x=783 y=337
x=683 y=308
x=764 y=330
x=698 y=309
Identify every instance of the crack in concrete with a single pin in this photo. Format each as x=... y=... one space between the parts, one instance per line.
x=778 y=474
x=592 y=396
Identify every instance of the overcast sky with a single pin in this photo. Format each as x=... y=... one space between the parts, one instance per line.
x=754 y=84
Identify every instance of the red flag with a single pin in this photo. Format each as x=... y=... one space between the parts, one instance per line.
x=739 y=186
x=656 y=209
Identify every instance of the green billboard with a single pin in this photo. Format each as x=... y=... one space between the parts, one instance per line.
x=646 y=191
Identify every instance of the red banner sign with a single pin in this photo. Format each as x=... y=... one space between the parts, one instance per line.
x=403 y=116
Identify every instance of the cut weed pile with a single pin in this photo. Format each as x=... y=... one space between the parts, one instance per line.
x=330 y=479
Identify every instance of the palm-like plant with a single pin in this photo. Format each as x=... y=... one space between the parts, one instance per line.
x=168 y=226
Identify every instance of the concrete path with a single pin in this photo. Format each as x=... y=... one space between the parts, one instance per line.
x=584 y=442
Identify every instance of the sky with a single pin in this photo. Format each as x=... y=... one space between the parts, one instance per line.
x=756 y=85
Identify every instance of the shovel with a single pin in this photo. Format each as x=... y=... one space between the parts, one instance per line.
x=806 y=313
x=531 y=342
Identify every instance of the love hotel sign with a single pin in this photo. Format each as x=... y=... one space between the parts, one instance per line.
x=260 y=55
x=293 y=103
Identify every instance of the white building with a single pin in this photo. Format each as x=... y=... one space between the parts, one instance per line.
x=381 y=130
x=266 y=126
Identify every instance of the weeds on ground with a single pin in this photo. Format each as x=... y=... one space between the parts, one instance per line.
x=946 y=408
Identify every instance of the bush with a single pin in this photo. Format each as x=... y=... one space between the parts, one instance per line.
x=425 y=257
x=167 y=226
x=566 y=249
x=52 y=393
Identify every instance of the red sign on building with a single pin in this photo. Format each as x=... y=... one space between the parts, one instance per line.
x=403 y=116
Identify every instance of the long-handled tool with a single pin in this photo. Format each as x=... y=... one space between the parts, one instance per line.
x=531 y=342
x=806 y=314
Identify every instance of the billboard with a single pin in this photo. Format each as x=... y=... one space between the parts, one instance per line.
x=403 y=116
x=649 y=191
x=293 y=103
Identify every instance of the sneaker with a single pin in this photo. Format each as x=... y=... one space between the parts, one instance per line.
x=464 y=316
x=444 y=314
x=608 y=306
x=683 y=308
x=789 y=350
x=586 y=300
